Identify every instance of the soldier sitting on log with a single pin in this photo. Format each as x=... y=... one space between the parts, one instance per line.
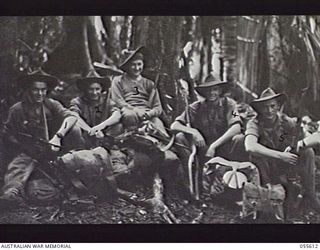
x=35 y=119
x=268 y=136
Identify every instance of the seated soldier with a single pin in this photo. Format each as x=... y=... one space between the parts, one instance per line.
x=95 y=111
x=29 y=126
x=213 y=122
x=136 y=95
x=268 y=147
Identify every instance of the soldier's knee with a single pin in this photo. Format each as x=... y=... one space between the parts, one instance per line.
x=171 y=157
x=75 y=130
x=129 y=118
x=181 y=137
x=74 y=139
x=115 y=129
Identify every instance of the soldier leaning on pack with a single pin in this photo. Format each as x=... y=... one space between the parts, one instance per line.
x=37 y=117
x=268 y=136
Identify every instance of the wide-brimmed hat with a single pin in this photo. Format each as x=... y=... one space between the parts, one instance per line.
x=38 y=76
x=211 y=80
x=266 y=95
x=130 y=55
x=93 y=77
x=107 y=70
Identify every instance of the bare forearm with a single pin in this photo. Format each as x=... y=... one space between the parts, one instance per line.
x=178 y=127
x=260 y=150
x=231 y=132
x=82 y=124
x=67 y=124
x=113 y=119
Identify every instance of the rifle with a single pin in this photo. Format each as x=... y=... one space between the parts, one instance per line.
x=156 y=83
x=193 y=163
x=297 y=190
x=49 y=168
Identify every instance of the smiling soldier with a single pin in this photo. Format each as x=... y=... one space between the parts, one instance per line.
x=209 y=124
x=37 y=117
x=96 y=112
x=136 y=95
x=213 y=121
x=269 y=148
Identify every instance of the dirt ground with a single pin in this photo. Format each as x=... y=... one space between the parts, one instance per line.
x=219 y=211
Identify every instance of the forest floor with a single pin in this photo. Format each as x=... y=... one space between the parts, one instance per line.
x=219 y=211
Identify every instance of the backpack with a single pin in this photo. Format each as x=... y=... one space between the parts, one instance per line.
x=86 y=173
x=225 y=177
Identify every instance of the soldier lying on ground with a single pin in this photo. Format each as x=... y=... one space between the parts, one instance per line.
x=268 y=136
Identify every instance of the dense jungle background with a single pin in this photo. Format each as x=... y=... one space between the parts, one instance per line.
x=252 y=52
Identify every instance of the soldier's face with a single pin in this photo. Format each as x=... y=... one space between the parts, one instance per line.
x=38 y=91
x=213 y=93
x=94 y=91
x=270 y=109
x=135 y=68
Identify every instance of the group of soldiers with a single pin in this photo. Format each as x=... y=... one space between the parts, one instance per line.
x=212 y=126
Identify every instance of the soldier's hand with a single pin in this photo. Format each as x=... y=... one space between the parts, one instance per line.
x=95 y=130
x=211 y=151
x=198 y=138
x=99 y=134
x=55 y=141
x=140 y=112
x=289 y=158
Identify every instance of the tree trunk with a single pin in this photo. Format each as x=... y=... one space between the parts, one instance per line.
x=140 y=27
x=278 y=69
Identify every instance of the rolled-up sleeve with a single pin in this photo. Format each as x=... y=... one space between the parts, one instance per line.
x=252 y=128
x=232 y=115
x=74 y=106
x=59 y=110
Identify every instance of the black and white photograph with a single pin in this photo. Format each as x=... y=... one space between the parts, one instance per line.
x=160 y=119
